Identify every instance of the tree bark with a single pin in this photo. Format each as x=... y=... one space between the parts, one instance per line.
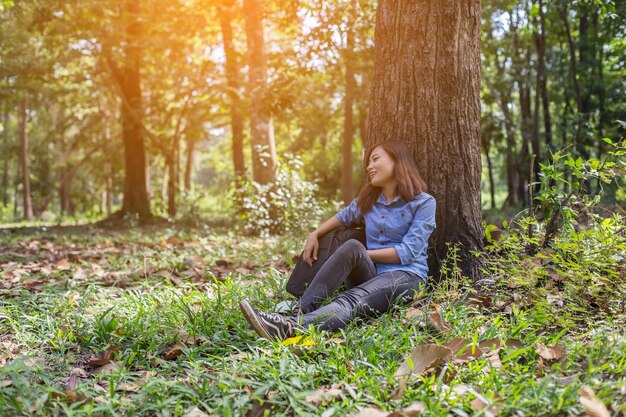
x=28 y=203
x=426 y=92
x=5 y=147
x=347 y=183
x=543 y=88
x=191 y=146
x=226 y=14
x=264 y=160
x=135 y=190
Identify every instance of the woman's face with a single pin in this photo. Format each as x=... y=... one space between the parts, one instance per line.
x=380 y=167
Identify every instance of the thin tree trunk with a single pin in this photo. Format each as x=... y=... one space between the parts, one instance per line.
x=191 y=145
x=264 y=160
x=135 y=192
x=226 y=15
x=172 y=184
x=580 y=148
x=543 y=88
x=5 y=149
x=426 y=92
x=28 y=203
x=486 y=147
x=347 y=183
x=16 y=187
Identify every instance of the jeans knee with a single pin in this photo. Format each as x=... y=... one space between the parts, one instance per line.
x=352 y=246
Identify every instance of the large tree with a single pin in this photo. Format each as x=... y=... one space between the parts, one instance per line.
x=426 y=92
x=264 y=158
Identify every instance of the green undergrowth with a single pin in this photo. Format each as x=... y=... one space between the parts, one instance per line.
x=165 y=308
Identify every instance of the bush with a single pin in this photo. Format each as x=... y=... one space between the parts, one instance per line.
x=289 y=205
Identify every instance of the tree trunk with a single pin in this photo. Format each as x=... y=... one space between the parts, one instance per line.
x=135 y=190
x=543 y=87
x=191 y=146
x=5 y=150
x=28 y=203
x=171 y=188
x=347 y=183
x=264 y=159
x=226 y=16
x=580 y=148
x=523 y=167
x=426 y=91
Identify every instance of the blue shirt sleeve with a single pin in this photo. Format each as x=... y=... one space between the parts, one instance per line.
x=350 y=215
x=416 y=238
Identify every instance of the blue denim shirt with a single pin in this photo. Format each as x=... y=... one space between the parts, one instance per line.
x=393 y=225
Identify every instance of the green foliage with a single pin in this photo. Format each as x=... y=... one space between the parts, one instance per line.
x=289 y=205
x=224 y=369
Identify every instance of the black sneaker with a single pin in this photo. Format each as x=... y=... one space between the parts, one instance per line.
x=268 y=326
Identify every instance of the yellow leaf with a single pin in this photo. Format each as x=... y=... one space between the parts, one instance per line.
x=299 y=340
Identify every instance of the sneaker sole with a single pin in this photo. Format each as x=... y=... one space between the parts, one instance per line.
x=249 y=314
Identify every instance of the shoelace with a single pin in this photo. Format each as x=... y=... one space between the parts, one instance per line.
x=276 y=318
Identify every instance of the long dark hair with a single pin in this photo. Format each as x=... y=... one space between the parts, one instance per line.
x=410 y=182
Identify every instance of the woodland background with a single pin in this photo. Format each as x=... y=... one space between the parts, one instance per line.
x=552 y=77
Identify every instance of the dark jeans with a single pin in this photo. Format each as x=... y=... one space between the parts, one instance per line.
x=367 y=293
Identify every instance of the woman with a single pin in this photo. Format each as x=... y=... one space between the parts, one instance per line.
x=399 y=218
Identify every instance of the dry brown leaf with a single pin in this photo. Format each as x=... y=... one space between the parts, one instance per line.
x=324 y=394
x=372 y=412
x=594 y=407
x=174 y=352
x=480 y=404
x=414 y=312
x=494 y=360
x=63 y=265
x=490 y=344
x=258 y=410
x=550 y=352
x=69 y=397
x=423 y=358
x=436 y=319
x=109 y=368
x=195 y=412
x=103 y=357
x=72 y=382
x=415 y=409
x=462 y=352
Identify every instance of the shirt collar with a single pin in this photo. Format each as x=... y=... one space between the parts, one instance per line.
x=382 y=200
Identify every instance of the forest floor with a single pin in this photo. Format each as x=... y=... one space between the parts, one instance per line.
x=146 y=322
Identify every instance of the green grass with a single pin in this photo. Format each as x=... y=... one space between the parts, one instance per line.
x=224 y=369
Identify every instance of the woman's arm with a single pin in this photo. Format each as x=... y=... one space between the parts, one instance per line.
x=312 y=244
x=384 y=256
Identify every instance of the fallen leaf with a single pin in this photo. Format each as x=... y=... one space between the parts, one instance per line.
x=422 y=359
x=109 y=368
x=550 y=352
x=324 y=394
x=481 y=404
x=414 y=409
x=195 y=412
x=63 y=265
x=72 y=382
x=69 y=397
x=594 y=407
x=437 y=320
x=494 y=360
x=103 y=357
x=462 y=352
x=372 y=412
x=174 y=352
x=258 y=409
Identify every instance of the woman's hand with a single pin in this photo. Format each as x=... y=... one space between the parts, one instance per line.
x=310 y=249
